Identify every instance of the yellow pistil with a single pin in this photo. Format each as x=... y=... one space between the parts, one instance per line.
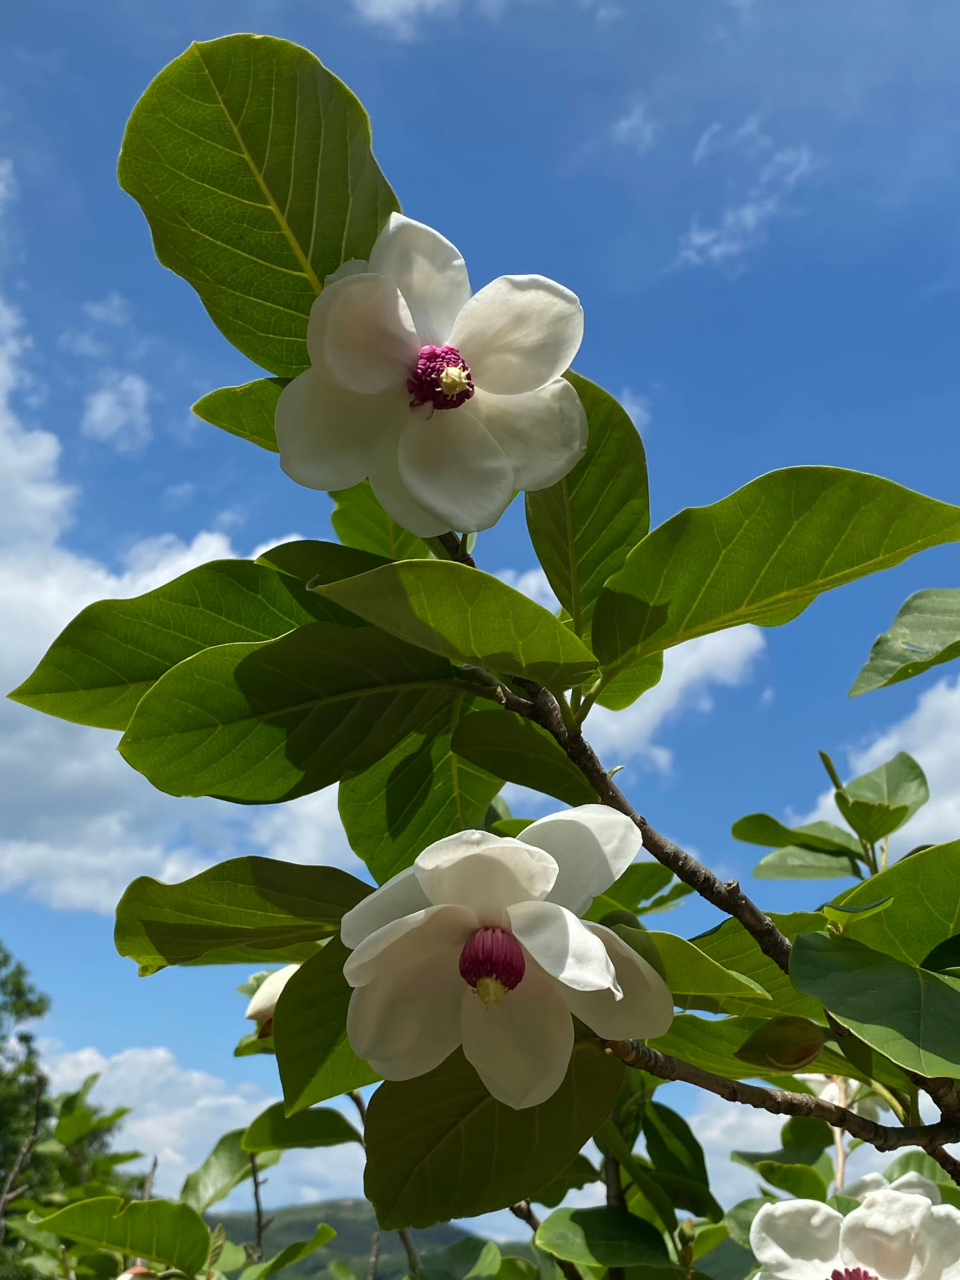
x=453 y=380
x=490 y=990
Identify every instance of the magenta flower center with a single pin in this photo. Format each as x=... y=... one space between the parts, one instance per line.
x=851 y=1273
x=441 y=378
x=492 y=963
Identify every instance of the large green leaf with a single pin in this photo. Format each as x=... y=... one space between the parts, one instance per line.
x=294 y=1252
x=227 y=1165
x=521 y=752
x=265 y=722
x=691 y=973
x=641 y=880
x=793 y=863
x=925 y=910
x=909 y=1014
x=734 y=948
x=924 y=633
x=602 y=1237
x=247 y=411
x=172 y=1234
x=418 y=793
x=760 y=828
x=311 y=561
x=466 y=616
x=310 y=1033
x=761 y=556
x=360 y=521
x=106 y=659
x=578 y=1173
x=583 y=527
x=253 y=166
x=877 y=803
x=440 y=1147
x=713 y=1043
x=322 y=1127
x=261 y=904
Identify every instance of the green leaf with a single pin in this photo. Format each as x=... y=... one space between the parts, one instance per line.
x=418 y=793
x=252 y=164
x=626 y=686
x=690 y=972
x=466 y=616
x=798 y=1179
x=225 y=1167
x=440 y=1147
x=246 y=411
x=294 y=1252
x=523 y=753
x=671 y=1145
x=265 y=722
x=734 y=948
x=360 y=521
x=713 y=1043
x=323 y=1127
x=908 y=1014
x=603 y=1237
x=842 y=916
x=761 y=556
x=106 y=659
x=261 y=903
x=470 y=1257
x=310 y=1033
x=918 y=919
x=793 y=863
x=172 y=1234
x=879 y=802
x=924 y=633
x=583 y=527
x=641 y=880
x=312 y=561
x=944 y=957
x=808 y=1132
x=511 y=827
x=727 y=1261
x=740 y=1218
x=578 y=1173
x=254 y=1043
x=785 y=1044
x=610 y=1141
x=824 y=837
x=666 y=901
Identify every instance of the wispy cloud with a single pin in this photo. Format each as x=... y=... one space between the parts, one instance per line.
x=116 y=413
x=636 y=129
x=638 y=407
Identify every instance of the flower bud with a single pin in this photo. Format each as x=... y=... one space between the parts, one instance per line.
x=264 y=1000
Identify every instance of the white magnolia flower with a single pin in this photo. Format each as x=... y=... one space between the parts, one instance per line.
x=479 y=944
x=263 y=1002
x=857 y=1097
x=915 y=1183
x=892 y=1236
x=448 y=402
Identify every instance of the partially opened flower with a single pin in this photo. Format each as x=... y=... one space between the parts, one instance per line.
x=263 y=1002
x=448 y=402
x=479 y=944
x=892 y=1236
x=915 y=1183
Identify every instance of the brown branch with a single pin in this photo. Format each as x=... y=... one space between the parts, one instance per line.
x=524 y=1212
x=10 y=1190
x=374 y=1255
x=256 y=1250
x=929 y=1137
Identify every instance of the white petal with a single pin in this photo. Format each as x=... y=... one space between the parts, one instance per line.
x=914 y=1184
x=519 y=333
x=369 y=339
x=408 y=939
x=543 y=432
x=563 y=946
x=328 y=437
x=863 y=1186
x=484 y=873
x=520 y=1047
x=884 y=1234
x=942 y=1241
x=452 y=465
x=797 y=1239
x=352 y=267
x=646 y=1009
x=263 y=1002
x=394 y=496
x=407 y=1020
x=428 y=270
x=400 y=896
x=592 y=845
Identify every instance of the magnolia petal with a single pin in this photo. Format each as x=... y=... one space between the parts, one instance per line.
x=646 y=1009
x=542 y=432
x=400 y=896
x=328 y=437
x=863 y=1186
x=797 y=1239
x=263 y=1002
x=407 y=1020
x=912 y=1183
x=451 y=464
x=563 y=946
x=428 y=270
x=394 y=496
x=519 y=333
x=592 y=845
x=369 y=340
x=520 y=1047
x=942 y=1243
x=886 y=1235
x=407 y=940
x=484 y=873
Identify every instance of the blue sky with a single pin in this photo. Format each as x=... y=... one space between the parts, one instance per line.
x=756 y=201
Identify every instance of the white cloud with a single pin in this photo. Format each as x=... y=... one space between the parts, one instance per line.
x=400 y=15
x=112 y=310
x=929 y=734
x=636 y=129
x=689 y=670
x=638 y=407
x=533 y=583
x=306 y=830
x=116 y=413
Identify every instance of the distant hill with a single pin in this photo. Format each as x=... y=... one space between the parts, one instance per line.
x=354 y=1223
